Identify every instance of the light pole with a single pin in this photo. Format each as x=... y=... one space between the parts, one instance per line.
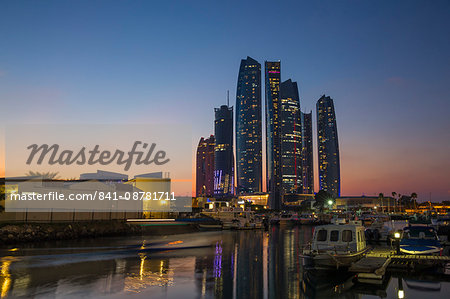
x=397 y=236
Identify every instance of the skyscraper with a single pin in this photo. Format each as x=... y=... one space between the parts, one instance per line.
x=328 y=146
x=273 y=150
x=205 y=167
x=290 y=138
x=307 y=154
x=223 y=152
x=249 y=127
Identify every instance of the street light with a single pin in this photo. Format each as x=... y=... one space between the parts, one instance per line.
x=397 y=241
x=330 y=202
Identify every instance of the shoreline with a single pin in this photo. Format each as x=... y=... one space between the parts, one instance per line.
x=20 y=233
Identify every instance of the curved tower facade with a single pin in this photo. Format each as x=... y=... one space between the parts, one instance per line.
x=273 y=144
x=205 y=167
x=328 y=146
x=307 y=153
x=223 y=152
x=290 y=138
x=249 y=128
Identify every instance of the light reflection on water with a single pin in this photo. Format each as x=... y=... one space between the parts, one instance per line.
x=238 y=264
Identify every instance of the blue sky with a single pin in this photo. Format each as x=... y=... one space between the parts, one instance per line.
x=385 y=63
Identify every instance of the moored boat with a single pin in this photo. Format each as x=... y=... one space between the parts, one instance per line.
x=421 y=240
x=336 y=245
x=235 y=218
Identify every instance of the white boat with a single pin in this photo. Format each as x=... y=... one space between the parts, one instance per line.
x=336 y=245
x=235 y=218
x=207 y=226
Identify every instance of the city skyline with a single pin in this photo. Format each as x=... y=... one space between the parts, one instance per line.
x=384 y=64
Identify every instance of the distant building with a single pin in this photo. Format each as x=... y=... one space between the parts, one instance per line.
x=307 y=153
x=156 y=185
x=223 y=152
x=365 y=202
x=256 y=199
x=205 y=167
x=290 y=138
x=273 y=144
x=328 y=147
x=249 y=128
x=104 y=176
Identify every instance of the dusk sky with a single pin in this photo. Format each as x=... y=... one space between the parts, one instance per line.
x=386 y=64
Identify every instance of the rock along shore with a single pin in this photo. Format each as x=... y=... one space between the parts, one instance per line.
x=37 y=232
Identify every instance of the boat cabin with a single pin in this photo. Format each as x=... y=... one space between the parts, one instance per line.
x=420 y=232
x=339 y=238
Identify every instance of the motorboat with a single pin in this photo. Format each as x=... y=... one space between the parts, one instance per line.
x=336 y=245
x=305 y=219
x=235 y=218
x=421 y=240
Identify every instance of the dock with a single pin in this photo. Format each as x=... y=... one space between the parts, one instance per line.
x=374 y=265
x=371 y=267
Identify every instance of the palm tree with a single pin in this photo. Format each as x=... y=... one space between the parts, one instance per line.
x=413 y=199
x=44 y=175
x=381 y=197
x=393 y=195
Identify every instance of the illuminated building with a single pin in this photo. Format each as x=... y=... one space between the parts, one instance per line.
x=272 y=84
x=328 y=147
x=249 y=128
x=290 y=138
x=223 y=152
x=365 y=202
x=307 y=154
x=205 y=167
x=256 y=199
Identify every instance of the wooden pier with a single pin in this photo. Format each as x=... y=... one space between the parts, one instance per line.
x=372 y=268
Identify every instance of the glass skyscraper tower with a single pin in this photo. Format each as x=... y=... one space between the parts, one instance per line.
x=249 y=127
x=223 y=152
x=273 y=144
x=328 y=146
x=205 y=167
x=307 y=153
x=290 y=138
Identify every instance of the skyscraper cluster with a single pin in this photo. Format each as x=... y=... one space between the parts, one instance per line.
x=288 y=141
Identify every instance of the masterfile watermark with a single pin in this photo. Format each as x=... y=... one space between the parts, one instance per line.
x=109 y=168
x=95 y=156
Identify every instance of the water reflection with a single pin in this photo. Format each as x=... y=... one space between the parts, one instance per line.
x=245 y=264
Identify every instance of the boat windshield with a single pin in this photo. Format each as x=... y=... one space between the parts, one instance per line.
x=427 y=233
x=334 y=236
x=322 y=235
x=347 y=236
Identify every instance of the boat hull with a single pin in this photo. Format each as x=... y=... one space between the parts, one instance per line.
x=332 y=260
x=337 y=261
x=210 y=226
x=422 y=250
x=420 y=246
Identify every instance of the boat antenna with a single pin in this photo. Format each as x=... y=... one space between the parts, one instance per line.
x=228 y=98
